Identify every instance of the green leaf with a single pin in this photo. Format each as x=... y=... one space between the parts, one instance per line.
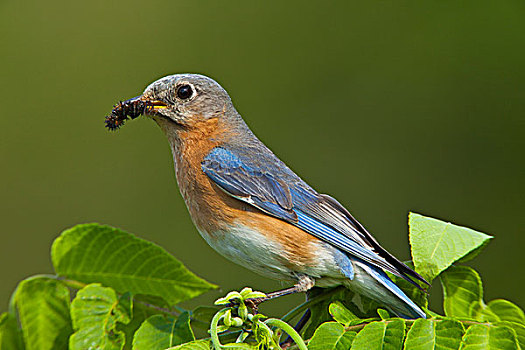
x=331 y=336
x=43 y=309
x=502 y=310
x=381 y=335
x=95 y=311
x=434 y=335
x=194 y=345
x=488 y=337
x=362 y=307
x=319 y=311
x=383 y=314
x=202 y=316
x=10 y=334
x=161 y=332
x=341 y=314
x=240 y=346
x=518 y=328
x=462 y=291
x=92 y=253
x=437 y=244
x=140 y=313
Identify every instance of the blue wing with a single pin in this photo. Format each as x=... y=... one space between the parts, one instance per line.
x=251 y=185
x=257 y=183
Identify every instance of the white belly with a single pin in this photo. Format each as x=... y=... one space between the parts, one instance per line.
x=253 y=250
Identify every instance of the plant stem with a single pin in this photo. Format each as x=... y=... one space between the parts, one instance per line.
x=72 y=283
x=158 y=308
x=274 y=322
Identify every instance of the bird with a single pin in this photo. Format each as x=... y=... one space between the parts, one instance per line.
x=254 y=210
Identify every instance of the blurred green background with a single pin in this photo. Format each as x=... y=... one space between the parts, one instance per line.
x=390 y=107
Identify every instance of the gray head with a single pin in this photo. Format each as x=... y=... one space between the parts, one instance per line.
x=185 y=99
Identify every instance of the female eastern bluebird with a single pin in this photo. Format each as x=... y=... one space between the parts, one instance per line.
x=251 y=208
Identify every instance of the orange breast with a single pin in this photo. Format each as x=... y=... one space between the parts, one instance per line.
x=208 y=205
x=213 y=211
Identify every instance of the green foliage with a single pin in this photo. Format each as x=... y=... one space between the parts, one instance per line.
x=43 y=311
x=141 y=312
x=434 y=334
x=468 y=322
x=125 y=292
x=519 y=329
x=463 y=298
x=10 y=335
x=321 y=301
x=462 y=291
x=436 y=244
x=162 y=332
x=254 y=333
x=194 y=345
x=489 y=338
x=202 y=316
x=502 y=310
x=95 y=312
x=341 y=314
x=331 y=336
x=381 y=335
x=319 y=308
x=101 y=254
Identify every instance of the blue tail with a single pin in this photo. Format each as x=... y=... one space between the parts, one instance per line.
x=405 y=308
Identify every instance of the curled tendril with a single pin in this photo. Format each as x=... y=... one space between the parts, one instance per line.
x=265 y=332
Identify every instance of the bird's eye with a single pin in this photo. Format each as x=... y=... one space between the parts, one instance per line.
x=184 y=92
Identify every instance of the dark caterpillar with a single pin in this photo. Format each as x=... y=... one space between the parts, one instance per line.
x=131 y=108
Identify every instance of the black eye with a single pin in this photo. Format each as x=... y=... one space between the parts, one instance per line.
x=184 y=92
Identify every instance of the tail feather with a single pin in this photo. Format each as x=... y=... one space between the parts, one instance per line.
x=385 y=291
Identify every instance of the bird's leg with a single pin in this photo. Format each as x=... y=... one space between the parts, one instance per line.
x=304 y=284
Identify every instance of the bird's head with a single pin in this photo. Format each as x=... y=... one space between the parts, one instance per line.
x=184 y=100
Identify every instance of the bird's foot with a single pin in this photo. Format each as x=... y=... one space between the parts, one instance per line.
x=253 y=303
x=286 y=344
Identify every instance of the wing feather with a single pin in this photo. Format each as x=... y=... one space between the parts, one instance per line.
x=296 y=202
x=252 y=185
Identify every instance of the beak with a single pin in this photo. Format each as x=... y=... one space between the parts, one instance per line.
x=151 y=106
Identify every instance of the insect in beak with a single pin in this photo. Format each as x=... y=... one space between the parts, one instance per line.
x=132 y=108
